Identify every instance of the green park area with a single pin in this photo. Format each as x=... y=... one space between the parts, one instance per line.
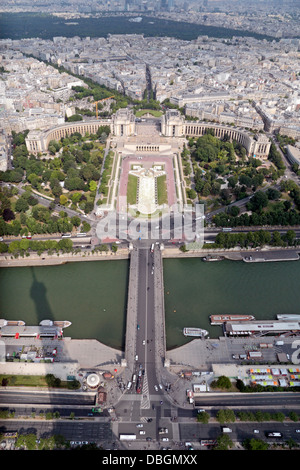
x=162 y=194
x=132 y=189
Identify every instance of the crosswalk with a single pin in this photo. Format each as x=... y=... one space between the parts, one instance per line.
x=145 y=403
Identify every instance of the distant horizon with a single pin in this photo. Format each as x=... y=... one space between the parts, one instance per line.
x=30 y=25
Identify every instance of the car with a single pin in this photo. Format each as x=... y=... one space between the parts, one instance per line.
x=136 y=357
x=148 y=438
x=155 y=388
x=142 y=433
x=144 y=342
x=139 y=425
x=165 y=439
x=297 y=430
x=160 y=386
x=200 y=411
x=256 y=431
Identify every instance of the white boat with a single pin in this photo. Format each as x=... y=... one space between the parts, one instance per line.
x=60 y=324
x=11 y=322
x=288 y=317
x=198 y=332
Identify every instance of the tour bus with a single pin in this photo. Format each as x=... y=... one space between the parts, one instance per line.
x=152 y=248
x=226 y=229
x=127 y=437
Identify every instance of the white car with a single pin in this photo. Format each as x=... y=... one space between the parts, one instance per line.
x=165 y=439
x=256 y=431
x=160 y=386
x=144 y=342
x=139 y=425
x=155 y=388
x=142 y=432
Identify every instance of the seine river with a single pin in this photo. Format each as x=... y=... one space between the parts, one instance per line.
x=93 y=295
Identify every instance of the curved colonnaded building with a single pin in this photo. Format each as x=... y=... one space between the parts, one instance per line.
x=172 y=124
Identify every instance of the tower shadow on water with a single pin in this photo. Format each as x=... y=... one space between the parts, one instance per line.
x=38 y=294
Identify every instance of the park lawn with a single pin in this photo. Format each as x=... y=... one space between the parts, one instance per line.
x=29 y=381
x=162 y=194
x=154 y=112
x=132 y=189
x=25 y=380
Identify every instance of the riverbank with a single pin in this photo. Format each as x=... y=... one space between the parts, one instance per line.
x=266 y=254
x=63 y=258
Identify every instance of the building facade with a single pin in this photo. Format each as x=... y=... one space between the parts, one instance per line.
x=172 y=123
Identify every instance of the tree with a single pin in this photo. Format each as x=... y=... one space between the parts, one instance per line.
x=63 y=199
x=93 y=185
x=255 y=444
x=75 y=220
x=53 y=381
x=258 y=201
x=8 y=214
x=223 y=442
x=223 y=382
x=21 y=205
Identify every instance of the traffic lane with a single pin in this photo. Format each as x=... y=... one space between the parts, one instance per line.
x=151 y=327
x=46 y=398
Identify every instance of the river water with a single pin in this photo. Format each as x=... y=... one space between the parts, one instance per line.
x=93 y=295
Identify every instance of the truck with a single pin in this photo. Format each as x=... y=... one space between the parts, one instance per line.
x=254 y=354
x=129 y=385
x=224 y=429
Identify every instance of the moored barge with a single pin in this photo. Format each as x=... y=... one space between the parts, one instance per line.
x=220 y=319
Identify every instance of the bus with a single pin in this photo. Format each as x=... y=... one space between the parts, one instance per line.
x=226 y=229
x=127 y=437
x=81 y=234
x=66 y=235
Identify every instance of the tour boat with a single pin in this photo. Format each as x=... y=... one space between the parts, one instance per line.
x=195 y=332
x=219 y=319
x=11 y=323
x=60 y=324
x=288 y=317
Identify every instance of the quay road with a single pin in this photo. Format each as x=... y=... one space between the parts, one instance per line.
x=101 y=430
